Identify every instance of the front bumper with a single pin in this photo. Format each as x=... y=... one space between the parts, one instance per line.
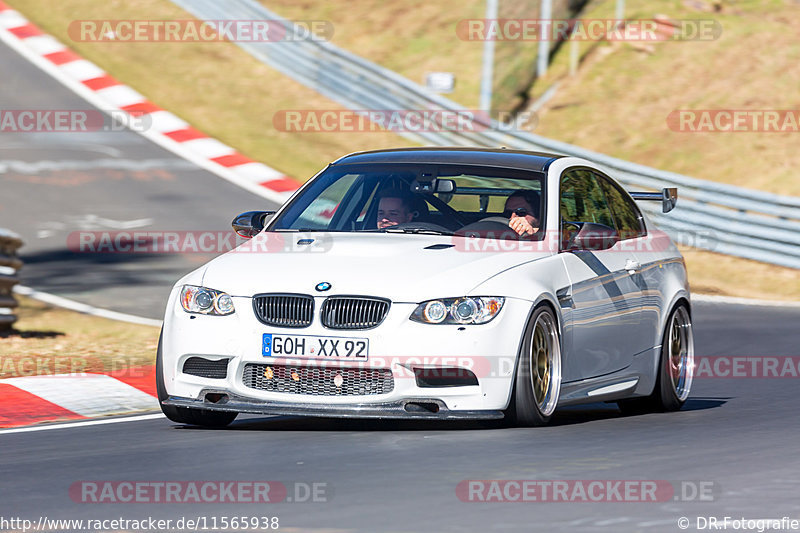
x=419 y=408
x=490 y=349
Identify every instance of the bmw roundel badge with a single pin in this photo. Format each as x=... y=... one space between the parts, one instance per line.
x=323 y=286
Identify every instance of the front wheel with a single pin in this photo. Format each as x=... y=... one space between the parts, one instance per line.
x=675 y=368
x=187 y=415
x=538 y=381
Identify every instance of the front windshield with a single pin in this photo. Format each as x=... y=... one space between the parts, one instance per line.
x=404 y=198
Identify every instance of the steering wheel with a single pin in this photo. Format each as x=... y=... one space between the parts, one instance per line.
x=501 y=220
x=489 y=227
x=420 y=226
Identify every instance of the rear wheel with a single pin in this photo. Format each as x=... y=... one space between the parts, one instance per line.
x=538 y=381
x=675 y=368
x=187 y=415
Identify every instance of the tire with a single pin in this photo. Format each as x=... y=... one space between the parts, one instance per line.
x=674 y=379
x=535 y=395
x=187 y=415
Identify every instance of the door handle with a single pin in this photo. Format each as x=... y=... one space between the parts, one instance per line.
x=632 y=266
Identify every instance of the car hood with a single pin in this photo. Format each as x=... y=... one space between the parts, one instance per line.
x=401 y=267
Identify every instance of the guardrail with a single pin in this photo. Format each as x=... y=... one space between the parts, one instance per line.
x=9 y=265
x=723 y=218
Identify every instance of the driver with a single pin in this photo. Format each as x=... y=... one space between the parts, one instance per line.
x=394 y=208
x=522 y=208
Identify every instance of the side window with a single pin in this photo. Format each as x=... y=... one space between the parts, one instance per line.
x=627 y=216
x=583 y=200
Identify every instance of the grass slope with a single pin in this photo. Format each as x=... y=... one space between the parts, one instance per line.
x=617 y=104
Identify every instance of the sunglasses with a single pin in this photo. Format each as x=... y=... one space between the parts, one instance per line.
x=520 y=212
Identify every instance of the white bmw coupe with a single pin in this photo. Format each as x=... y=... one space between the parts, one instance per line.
x=436 y=283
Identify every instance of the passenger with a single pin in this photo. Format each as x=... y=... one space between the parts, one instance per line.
x=394 y=207
x=522 y=209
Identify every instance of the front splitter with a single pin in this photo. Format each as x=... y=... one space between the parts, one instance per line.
x=412 y=408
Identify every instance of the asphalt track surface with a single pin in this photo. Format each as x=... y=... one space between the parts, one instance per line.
x=737 y=436
x=55 y=185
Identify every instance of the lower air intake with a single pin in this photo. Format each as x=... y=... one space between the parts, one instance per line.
x=206 y=368
x=317 y=381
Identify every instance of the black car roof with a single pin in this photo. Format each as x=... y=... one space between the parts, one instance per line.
x=491 y=157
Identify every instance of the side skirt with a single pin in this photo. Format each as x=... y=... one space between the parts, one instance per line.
x=637 y=379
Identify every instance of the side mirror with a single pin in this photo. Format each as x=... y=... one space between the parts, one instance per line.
x=592 y=237
x=250 y=223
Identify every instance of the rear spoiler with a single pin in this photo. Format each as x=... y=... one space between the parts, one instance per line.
x=668 y=198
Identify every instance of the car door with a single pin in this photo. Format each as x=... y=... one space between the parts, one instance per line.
x=636 y=243
x=605 y=300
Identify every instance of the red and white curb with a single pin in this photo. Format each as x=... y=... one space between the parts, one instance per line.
x=34 y=399
x=165 y=129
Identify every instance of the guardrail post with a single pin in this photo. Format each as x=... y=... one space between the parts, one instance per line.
x=546 y=22
x=620 y=10
x=9 y=265
x=487 y=71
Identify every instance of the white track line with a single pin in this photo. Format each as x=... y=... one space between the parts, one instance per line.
x=68 y=425
x=730 y=300
x=84 y=308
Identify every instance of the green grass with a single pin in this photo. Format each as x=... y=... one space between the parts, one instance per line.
x=50 y=340
x=619 y=101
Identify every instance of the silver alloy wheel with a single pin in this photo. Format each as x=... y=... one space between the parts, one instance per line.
x=680 y=350
x=545 y=364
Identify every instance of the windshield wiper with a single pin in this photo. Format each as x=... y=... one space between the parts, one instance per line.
x=422 y=231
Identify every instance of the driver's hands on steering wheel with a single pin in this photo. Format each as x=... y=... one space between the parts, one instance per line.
x=522 y=226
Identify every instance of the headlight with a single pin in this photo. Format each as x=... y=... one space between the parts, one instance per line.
x=467 y=310
x=206 y=301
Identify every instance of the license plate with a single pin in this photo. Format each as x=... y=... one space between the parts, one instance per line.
x=308 y=346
